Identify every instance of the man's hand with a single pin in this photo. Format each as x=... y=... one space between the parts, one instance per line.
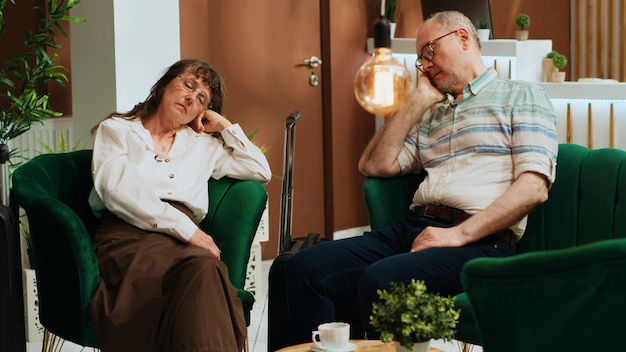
x=427 y=92
x=529 y=190
x=380 y=157
x=438 y=237
x=202 y=240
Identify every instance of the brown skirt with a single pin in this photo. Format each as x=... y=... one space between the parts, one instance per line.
x=160 y=294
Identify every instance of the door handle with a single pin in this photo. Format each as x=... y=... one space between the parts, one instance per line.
x=313 y=61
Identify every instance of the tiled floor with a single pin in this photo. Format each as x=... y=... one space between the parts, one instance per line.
x=257 y=330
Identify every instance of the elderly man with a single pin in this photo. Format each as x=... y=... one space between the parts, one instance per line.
x=489 y=151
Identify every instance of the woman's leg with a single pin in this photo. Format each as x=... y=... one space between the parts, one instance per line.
x=200 y=309
x=155 y=288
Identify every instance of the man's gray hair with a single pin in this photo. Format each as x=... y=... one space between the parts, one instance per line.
x=451 y=20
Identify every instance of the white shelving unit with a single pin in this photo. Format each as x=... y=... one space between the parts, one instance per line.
x=513 y=59
x=588 y=113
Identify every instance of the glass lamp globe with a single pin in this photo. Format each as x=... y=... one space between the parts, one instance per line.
x=382 y=85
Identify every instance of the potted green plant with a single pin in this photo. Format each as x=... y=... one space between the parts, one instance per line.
x=559 y=61
x=387 y=10
x=390 y=10
x=410 y=316
x=25 y=76
x=482 y=27
x=522 y=21
x=548 y=66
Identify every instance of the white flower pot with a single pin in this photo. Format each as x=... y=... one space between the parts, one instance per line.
x=483 y=34
x=418 y=347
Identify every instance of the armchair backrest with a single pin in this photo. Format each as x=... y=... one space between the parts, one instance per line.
x=586 y=203
x=64 y=177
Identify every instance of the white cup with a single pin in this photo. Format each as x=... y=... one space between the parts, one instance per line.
x=332 y=336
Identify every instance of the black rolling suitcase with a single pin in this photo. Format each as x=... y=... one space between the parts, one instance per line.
x=277 y=312
x=12 y=329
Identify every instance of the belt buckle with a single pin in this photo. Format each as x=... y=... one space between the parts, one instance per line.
x=427 y=213
x=439 y=212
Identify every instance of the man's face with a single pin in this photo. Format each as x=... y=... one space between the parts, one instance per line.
x=437 y=50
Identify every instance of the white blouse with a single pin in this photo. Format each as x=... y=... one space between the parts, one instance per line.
x=132 y=180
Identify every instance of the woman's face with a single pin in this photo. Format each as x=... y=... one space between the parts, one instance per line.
x=186 y=97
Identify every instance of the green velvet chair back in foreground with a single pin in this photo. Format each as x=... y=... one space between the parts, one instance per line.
x=587 y=203
x=53 y=190
x=555 y=300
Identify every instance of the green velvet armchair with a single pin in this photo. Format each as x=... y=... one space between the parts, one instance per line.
x=585 y=205
x=53 y=190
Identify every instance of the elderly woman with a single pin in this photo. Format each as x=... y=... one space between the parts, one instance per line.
x=163 y=285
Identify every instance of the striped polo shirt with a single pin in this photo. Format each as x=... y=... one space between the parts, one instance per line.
x=473 y=152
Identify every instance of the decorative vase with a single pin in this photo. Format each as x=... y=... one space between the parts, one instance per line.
x=483 y=34
x=417 y=347
x=548 y=68
x=521 y=35
x=558 y=76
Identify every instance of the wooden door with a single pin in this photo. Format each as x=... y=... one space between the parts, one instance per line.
x=259 y=46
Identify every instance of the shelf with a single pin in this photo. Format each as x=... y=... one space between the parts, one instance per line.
x=512 y=58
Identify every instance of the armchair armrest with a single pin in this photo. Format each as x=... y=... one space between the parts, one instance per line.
x=67 y=272
x=388 y=199
x=234 y=213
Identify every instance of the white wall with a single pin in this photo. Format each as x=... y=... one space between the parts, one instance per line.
x=118 y=54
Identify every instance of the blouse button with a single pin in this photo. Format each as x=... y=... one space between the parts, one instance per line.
x=171 y=175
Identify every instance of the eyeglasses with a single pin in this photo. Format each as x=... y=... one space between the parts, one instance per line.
x=190 y=86
x=428 y=53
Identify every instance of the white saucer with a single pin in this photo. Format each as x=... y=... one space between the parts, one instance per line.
x=349 y=348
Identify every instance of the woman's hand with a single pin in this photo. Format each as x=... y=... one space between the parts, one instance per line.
x=203 y=240
x=210 y=121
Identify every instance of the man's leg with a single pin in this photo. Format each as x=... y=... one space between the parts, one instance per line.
x=322 y=280
x=439 y=268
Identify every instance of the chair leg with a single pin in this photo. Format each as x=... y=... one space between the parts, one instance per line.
x=246 y=346
x=465 y=347
x=53 y=343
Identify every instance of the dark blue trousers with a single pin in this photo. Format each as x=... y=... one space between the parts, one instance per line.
x=337 y=280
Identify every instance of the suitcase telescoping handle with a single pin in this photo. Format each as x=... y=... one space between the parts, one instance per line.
x=287 y=192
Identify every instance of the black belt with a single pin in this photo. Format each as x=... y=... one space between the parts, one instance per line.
x=457 y=216
x=441 y=212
